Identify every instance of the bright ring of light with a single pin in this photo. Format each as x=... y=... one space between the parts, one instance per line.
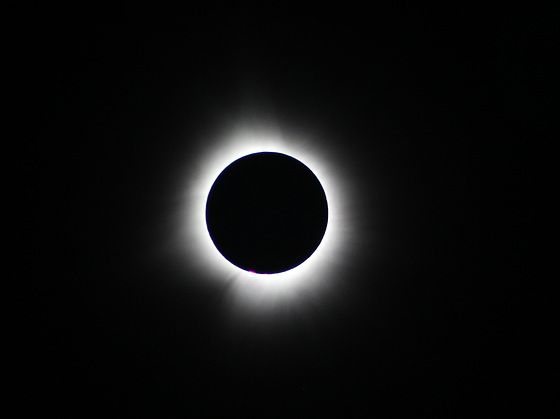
x=314 y=276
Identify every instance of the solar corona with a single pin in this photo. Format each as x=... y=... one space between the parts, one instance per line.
x=266 y=216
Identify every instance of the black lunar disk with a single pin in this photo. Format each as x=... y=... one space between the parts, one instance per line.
x=266 y=212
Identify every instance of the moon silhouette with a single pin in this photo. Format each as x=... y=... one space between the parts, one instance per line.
x=266 y=213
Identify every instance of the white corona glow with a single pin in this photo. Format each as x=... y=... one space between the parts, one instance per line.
x=315 y=276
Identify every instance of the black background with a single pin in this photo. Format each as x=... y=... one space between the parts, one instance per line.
x=435 y=108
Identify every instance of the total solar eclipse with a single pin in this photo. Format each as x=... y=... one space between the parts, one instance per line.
x=266 y=213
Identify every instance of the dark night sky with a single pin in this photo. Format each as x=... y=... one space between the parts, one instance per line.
x=434 y=108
